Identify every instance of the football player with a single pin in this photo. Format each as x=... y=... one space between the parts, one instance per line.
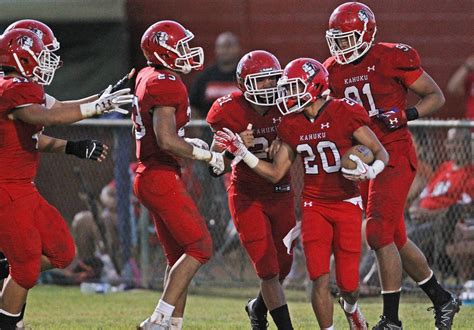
x=51 y=61
x=378 y=76
x=321 y=130
x=159 y=116
x=33 y=235
x=263 y=212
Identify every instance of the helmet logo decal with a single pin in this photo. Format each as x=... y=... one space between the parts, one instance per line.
x=311 y=70
x=363 y=15
x=160 y=37
x=38 y=32
x=25 y=42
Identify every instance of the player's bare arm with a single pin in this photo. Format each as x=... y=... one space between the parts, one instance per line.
x=273 y=172
x=281 y=164
x=363 y=171
x=431 y=96
x=364 y=135
x=64 y=113
x=164 y=126
x=86 y=149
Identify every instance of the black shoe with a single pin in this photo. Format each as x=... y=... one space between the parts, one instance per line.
x=386 y=324
x=444 y=315
x=4 y=267
x=256 y=322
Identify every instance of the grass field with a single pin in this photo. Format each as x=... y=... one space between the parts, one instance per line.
x=54 y=307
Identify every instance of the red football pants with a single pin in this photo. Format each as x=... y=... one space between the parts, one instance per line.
x=31 y=227
x=261 y=225
x=333 y=227
x=385 y=197
x=178 y=223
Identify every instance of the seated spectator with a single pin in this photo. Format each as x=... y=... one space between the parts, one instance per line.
x=433 y=216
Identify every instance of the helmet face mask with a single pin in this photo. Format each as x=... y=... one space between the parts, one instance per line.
x=304 y=81
x=351 y=32
x=166 y=43
x=292 y=95
x=257 y=75
x=48 y=61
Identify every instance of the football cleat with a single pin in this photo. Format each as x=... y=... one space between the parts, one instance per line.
x=256 y=322
x=158 y=325
x=356 y=320
x=444 y=315
x=386 y=324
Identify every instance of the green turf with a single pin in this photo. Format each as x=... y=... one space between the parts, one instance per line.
x=54 y=307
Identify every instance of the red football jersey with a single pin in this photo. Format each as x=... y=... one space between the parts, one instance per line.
x=155 y=87
x=450 y=185
x=235 y=113
x=18 y=140
x=378 y=81
x=321 y=144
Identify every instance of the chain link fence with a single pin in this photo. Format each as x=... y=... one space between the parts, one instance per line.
x=116 y=241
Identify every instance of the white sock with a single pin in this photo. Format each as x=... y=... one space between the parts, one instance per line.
x=4 y=312
x=330 y=328
x=349 y=308
x=176 y=323
x=163 y=311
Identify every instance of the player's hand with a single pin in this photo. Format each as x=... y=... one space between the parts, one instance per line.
x=361 y=172
x=228 y=140
x=217 y=163
x=108 y=102
x=273 y=149
x=87 y=149
x=393 y=118
x=247 y=136
x=122 y=83
x=197 y=143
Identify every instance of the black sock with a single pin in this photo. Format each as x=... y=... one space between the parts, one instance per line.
x=281 y=317
x=22 y=314
x=391 y=302
x=8 y=322
x=259 y=306
x=438 y=295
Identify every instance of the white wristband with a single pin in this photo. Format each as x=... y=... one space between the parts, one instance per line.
x=201 y=154
x=250 y=159
x=378 y=166
x=88 y=109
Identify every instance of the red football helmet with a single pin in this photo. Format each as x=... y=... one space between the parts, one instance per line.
x=48 y=59
x=351 y=32
x=304 y=80
x=254 y=67
x=21 y=50
x=166 y=43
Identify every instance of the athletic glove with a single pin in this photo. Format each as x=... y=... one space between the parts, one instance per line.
x=87 y=149
x=107 y=102
x=228 y=140
x=393 y=118
x=197 y=143
x=363 y=171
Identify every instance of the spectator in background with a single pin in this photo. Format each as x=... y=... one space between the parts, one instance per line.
x=461 y=83
x=433 y=216
x=218 y=79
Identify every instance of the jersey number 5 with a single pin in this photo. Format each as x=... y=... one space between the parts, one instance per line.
x=322 y=147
